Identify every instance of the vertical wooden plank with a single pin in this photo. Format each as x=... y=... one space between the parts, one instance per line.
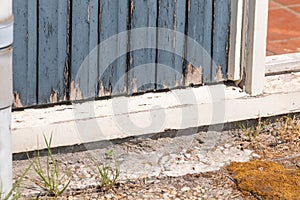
x=93 y=15
x=220 y=39
x=200 y=16
x=112 y=21
x=142 y=62
x=84 y=39
x=171 y=15
x=52 y=51
x=25 y=52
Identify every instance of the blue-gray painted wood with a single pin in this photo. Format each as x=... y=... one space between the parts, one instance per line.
x=24 y=54
x=141 y=76
x=200 y=19
x=48 y=63
x=52 y=51
x=113 y=21
x=220 y=36
x=171 y=16
x=84 y=39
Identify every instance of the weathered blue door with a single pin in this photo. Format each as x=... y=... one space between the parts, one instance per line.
x=160 y=38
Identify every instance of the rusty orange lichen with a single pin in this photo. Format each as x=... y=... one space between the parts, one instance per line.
x=266 y=179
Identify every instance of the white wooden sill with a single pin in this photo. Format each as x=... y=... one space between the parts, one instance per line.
x=281 y=95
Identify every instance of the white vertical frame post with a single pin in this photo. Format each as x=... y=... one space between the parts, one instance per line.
x=255 y=51
x=235 y=40
x=6 y=39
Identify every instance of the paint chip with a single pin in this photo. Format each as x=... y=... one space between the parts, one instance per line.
x=75 y=92
x=219 y=74
x=17 y=100
x=53 y=97
x=194 y=75
x=103 y=92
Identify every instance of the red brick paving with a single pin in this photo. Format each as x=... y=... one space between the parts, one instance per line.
x=296 y=8
x=287 y=2
x=283 y=27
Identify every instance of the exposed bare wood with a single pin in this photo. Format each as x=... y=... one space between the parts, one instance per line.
x=219 y=76
x=134 y=85
x=75 y=92
x=53 y=97
x=17 y=100
x=103 y=92
x=194 y=75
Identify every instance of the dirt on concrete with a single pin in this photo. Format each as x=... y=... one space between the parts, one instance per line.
x=202 y=165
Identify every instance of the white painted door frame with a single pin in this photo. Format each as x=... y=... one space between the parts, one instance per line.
x=235 y=40
x=6 y=39
x=247 y=46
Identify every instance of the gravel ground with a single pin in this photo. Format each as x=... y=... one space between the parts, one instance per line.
x=181 y=167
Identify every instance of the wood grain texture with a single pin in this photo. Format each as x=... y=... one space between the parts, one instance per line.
x=200 y=16
x=171 y=16
x=113 y=19
x=141 y=76
x=57 y=57
x=221 y=26
x=84 y=70
x=52 y=50
x=24 y=54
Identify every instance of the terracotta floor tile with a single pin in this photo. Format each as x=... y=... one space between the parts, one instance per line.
x=273 y=5
x=296 y=8
x=284 y=47
x=283 y=25
x=288 y=2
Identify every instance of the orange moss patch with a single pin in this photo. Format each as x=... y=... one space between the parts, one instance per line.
x=266 y=179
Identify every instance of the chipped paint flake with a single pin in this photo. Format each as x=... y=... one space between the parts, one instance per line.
x=131 y=60
x=89 y=12
x=194 y=75
x=134 y=85
x=17 y=100
x=219 y=74
x=53 y=97
x=131 y=7
x=103 y=92
x=75 y=92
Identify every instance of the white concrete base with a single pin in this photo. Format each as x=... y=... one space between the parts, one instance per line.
x=5 y=151
x=152 y=113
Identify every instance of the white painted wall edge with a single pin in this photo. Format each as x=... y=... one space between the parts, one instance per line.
x=152 y=113
x=6 y=77
x=5 y=9
x=5 y=150
x=6 y=39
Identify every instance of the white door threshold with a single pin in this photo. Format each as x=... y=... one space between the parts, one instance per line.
x=122 y=117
